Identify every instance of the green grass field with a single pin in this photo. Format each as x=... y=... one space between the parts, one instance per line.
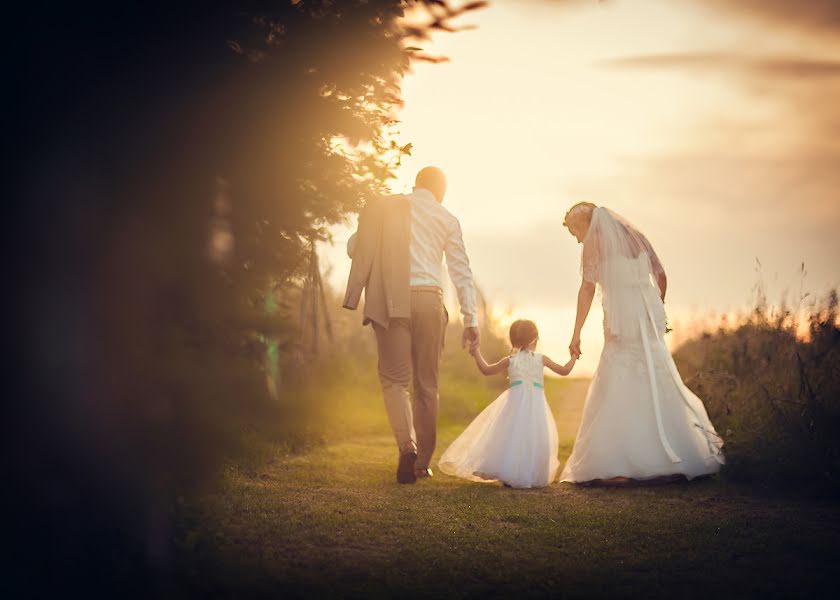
x=332 y=522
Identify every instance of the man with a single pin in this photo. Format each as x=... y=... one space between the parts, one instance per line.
x=397 y=257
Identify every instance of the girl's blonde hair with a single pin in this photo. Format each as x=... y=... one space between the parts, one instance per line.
x=522 y=333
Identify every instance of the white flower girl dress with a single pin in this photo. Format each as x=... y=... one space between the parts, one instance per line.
x=514 y=439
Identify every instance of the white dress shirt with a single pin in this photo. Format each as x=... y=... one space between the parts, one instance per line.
x=435 y=232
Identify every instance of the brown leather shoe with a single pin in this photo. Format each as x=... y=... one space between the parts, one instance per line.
x=405 y=470
x=420 y=473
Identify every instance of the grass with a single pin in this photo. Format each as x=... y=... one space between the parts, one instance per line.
x=774 y=395
x=332 y=522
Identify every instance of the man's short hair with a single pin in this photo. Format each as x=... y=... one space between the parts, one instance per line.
x=432 y=179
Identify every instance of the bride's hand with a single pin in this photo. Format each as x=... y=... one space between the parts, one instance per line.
x=574 y=347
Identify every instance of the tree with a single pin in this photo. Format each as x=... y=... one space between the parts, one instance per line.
x=174 y=163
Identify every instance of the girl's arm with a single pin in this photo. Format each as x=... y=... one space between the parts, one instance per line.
x=560 y=370
x=486 y=369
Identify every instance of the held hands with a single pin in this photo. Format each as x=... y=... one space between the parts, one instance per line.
x=574 y=347
x=470 y=339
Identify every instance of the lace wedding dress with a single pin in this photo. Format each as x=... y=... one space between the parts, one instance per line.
x=640 y=420
x=514 y=439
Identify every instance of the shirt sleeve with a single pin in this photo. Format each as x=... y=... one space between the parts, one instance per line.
x=461 y=275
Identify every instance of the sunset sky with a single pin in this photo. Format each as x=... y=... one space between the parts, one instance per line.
x=712 y=125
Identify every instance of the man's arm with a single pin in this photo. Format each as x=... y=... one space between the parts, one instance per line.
x=461 y=275
x=462 y=278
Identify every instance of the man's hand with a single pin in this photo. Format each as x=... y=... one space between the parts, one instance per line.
x=574 y=347
x=470 y=338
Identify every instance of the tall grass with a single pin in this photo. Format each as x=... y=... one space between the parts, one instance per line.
x=771 y=384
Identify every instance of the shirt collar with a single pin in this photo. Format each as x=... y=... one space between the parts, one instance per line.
x=424 y=194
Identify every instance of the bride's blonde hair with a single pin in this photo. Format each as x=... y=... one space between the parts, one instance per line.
x=582 y=211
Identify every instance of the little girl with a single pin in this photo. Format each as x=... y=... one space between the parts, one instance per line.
x=514 y=439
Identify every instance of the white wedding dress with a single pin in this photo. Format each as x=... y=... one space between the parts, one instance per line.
x=640 y=420
x=514 y=439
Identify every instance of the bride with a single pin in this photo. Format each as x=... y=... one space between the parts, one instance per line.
x=640 y=421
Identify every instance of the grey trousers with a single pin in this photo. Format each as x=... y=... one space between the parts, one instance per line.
x=409 y=347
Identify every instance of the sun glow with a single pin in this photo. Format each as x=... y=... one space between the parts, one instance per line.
x=648 y=107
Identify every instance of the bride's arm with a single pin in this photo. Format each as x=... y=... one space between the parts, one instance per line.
x=559 y=369
x=658 y=269
x=662 y=280
x=585 y=295
x=486 y=369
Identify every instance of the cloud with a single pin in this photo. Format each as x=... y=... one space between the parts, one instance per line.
x=757 y=177
x=738 y=64
x=799 y=92
x=783 y=209
x=804 y=15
